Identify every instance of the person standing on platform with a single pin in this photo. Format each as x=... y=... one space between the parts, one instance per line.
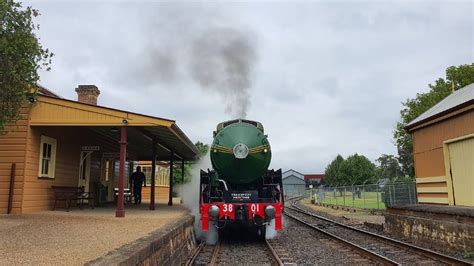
x=138 y=179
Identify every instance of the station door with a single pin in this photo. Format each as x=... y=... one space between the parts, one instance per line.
x=461 y=158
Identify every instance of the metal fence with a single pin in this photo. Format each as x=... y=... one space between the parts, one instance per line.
x=371 y=196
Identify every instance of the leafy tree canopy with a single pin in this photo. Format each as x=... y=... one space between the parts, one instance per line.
x=388 y=167
x=356 y=169
x=332 y=171
x=203 y=149
x=21 y=56
x=456 y=78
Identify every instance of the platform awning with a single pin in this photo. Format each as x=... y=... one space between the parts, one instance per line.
x=142 y=129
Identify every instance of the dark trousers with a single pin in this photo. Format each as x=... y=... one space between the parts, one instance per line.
x=137 y=193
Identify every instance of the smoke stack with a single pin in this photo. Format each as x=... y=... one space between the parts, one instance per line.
x=87 y=94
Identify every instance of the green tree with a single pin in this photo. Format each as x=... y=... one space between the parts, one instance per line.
x=203 y=149
x=332 y=174
x=357 y=169
x=21 y=56
x=456 y=78
x=388 y=167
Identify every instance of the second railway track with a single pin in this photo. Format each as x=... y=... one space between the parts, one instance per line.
x=396 y=252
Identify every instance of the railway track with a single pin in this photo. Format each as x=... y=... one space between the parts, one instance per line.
x=379 y=248
x=235 y=252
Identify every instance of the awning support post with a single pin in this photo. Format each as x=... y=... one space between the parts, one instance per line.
x=120 y=212
x=170 y=197
x=153 y=173
x=182 y=171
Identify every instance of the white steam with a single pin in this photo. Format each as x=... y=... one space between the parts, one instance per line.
x=270 y=230
x=189 y=193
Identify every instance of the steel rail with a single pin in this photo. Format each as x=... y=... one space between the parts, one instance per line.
x=195 y=254
x=215 y=253
x=422 y=251
x=274 y=253
x=370 y=254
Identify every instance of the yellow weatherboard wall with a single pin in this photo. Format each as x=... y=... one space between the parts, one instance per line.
x=459 y=162
x=431 y=153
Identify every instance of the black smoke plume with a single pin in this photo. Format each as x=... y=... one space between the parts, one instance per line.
x=222 y=60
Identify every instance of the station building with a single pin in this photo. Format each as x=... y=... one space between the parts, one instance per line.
x=61 y=142
x=443 y=150
x=293 y=183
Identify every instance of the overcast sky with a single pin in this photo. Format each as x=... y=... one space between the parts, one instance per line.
x=324 y=77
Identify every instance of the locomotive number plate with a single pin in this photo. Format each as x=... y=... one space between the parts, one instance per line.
x=227 y=208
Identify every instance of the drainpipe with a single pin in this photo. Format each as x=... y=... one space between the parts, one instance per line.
x=12 y=188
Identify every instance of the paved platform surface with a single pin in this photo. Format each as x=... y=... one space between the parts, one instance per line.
x=78 y=236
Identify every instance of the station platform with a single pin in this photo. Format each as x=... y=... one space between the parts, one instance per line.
x=442 y=227
x=93 y=236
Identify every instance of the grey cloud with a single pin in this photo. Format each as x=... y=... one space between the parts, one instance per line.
x=325 y=78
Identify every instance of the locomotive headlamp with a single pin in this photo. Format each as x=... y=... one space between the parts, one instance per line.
x=241 y=151
x=265 y=150
x=270 y=212
x=214 y=211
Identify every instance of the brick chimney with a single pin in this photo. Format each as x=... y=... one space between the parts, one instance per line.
x=87 y=94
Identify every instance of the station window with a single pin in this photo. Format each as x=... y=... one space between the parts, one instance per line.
x=161 y=175
x=147 y=172
x=47 y=161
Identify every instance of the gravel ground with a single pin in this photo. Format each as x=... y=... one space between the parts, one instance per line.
x=239 y=246
x=405 y=256
x=352 y=218
x=78 y=236
x=309 y=247
x=244 y=251
x=357 y=220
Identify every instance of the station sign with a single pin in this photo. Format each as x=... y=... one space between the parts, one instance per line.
x=112 y=155
x=90 y=148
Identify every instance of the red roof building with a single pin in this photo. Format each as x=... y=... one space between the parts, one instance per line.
x=314 y=178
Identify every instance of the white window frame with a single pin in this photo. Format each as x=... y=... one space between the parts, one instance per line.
x=52 y=162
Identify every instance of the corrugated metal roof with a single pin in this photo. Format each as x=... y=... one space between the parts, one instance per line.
x=457 y=98
x=52 y=111
x=44 y=91
x=292 y=172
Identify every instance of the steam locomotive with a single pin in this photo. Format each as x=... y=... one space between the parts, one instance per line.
x=241 y=189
